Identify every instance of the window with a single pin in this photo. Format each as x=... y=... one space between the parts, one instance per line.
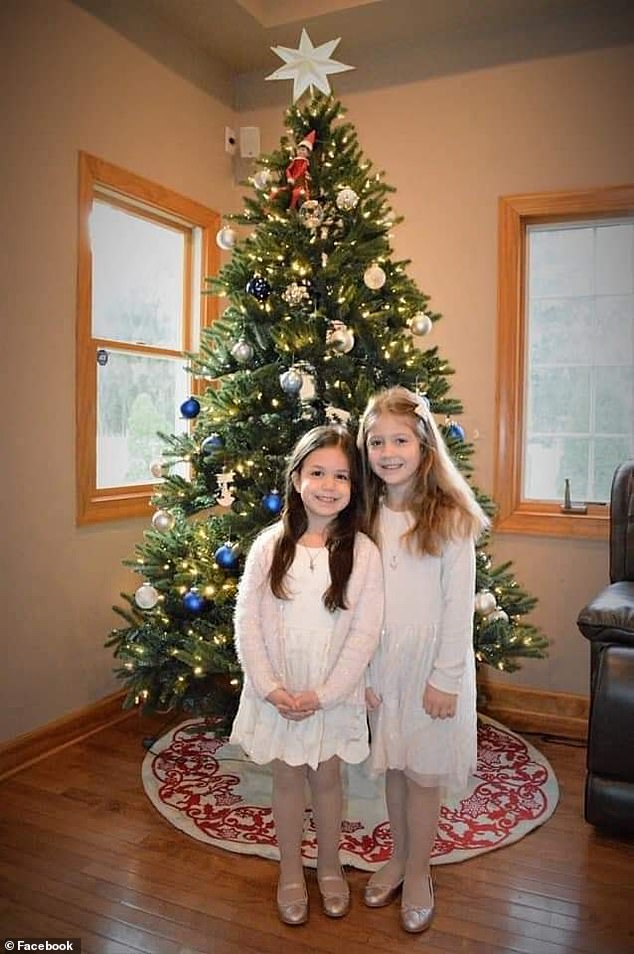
x=143 y=254
x=565 y=358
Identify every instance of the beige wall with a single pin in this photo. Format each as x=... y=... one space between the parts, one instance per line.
x=70 y=83
x=451 y=145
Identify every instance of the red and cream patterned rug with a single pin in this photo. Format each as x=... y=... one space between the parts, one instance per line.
x=210 y=791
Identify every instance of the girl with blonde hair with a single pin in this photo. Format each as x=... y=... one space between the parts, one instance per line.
x=421 y=693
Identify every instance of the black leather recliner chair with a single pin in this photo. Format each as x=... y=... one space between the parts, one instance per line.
x=608 y=622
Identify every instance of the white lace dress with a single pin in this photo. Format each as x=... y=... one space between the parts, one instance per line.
x=307 y=659
x=427 y=637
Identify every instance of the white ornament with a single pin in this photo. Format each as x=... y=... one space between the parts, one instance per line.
x=347 y=199
x=295 y=294
x=484 y=603
x=374 y=277
x=242 y=351
x=340 y=338
x=226 y=238
x=225 y=480
x=308 y=66
x=146 y=597
x=498 y=614
x=291 y=381
x=262 y=178
x=308 y=391
x=311 y=214
x=163 y=521
x=156 y=468
x=420 y=324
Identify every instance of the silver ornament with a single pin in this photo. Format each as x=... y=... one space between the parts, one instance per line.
x=291 y=381
x=295 y=294
x=484 y=603
x=226 y=238
x=262 y=178
x=374 y=277
x=156 y=468
x=420 y=324
x=163 y=521
x=340 y=338
x=347 y=199
x=308 y=391
x=498 y=614
x=311 y=214
x=146 y=597
x=242 y=351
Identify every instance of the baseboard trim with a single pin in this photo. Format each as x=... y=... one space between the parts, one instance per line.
x=534 y=710
x=523 y=710
x=19 y=753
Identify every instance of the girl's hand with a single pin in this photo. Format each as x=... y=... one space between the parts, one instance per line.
x=438 y=704
x=307 y=702
x=372 y=701
x=283 y=701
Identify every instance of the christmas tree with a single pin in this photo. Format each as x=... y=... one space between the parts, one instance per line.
x=319 y=316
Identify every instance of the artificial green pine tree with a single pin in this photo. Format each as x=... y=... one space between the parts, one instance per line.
x=319 y=317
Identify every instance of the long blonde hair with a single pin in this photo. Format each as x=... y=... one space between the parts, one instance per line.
x=442 y=502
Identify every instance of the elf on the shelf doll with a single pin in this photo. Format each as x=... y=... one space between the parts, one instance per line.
x=297 y=171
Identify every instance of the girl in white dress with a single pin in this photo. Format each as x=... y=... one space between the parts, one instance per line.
x=304 y=638
x=421 y=692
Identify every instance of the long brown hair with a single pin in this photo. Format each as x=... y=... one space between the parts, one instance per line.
x=442 y=502
x=341 y=530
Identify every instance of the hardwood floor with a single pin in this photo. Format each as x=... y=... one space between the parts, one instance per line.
x=85 y=854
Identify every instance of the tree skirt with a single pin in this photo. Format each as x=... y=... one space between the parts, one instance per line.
x=211 y=791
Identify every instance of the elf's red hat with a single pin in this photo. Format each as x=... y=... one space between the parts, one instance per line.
x=309 y=140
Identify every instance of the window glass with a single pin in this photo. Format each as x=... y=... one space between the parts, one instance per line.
x=137 y=396
x=144 y=252
x=137 y=278
x=579 y=396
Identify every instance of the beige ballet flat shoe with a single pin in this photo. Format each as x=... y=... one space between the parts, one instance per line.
x=378 y=895
x=293 y=912
x=335 y=901
x=415 y=920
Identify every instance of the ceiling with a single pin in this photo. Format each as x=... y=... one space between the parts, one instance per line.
x=237 y=35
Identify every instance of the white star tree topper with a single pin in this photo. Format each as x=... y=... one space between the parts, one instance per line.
x=308 y=66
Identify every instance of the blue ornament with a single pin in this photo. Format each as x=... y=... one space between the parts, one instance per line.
x=258 y=287
x=190 y=408
x=226 y=557
x=212 y=444
x=456 y=431
x=193 y=602
x=272 y=502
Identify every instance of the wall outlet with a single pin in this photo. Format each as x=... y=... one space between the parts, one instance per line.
x=230 y=141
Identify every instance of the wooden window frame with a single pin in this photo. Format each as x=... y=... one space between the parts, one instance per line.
x=129 y=191
x=515 y=214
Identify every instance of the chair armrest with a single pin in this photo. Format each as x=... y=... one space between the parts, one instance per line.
x=609 y=617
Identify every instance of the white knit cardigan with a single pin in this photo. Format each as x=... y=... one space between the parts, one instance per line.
x=259 y=625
